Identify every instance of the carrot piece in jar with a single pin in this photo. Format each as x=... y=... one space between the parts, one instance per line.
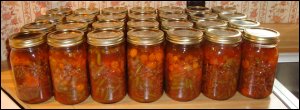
x=133 y=52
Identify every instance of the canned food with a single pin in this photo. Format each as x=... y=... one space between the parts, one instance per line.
x=29 y=62
x=112 y=17
x=67 y=55
x=183 y=64
x=86 y=11
x=231 y=16
x=242 y=24
x=38 y=27
x=106 y=61
x=198 y=17
x=145 y=59
x=221 y=63
x=173 y=17
x=114 y=10
x=113 y=25
x=72 y=26
x=259 y=55
x=168 y=25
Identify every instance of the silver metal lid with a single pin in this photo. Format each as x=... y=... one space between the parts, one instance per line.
x=105 y=37
x=261 y=35
x=26 y=39
x=223 y=35
x=210 y=23
x=166 y=25
x=65 y=38
x=143 y=10
x=145 y=37
x=231 y=16
x=184 y=36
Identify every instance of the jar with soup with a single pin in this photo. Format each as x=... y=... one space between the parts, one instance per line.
x=210 y=23
x=67 y=55
x=106 y=60
x=30 y=66
x=61 y=11
x=170 y=10
x=142 y=25
x=241 y=24
x=145 y=59
x=221 y=63
x=259 y=62
x=183 y=64
x=52 y=18
x=143 y=10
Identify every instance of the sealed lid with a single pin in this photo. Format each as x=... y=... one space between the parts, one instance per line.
x=145 y=37
x=111 y=17
x=199 y=16
x=223 y=35
x=113 y=25
x=142 y=24
x=221 y=9
x=105 y=37
x=170 y=9
x=62 y=11
x=242 y=24
x=197 y=10
x=53 y=18
x=166 y=25
x=114 y=10
x=87 y=11
x=142 y=17
x=65 y=38
x=72 y=26
x=142 y=10
x=26 y=39
x=231 y=16
x=261 y=35
x=210 y=23
x=38 y=26
x=81 y=18
x=184 y=36
x=173 y=16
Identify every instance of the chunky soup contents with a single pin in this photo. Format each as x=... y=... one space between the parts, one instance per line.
x=106 y=60
x=29 y=62
x=259 y=62
x=67 y=56
x=145 y=65
x=183 y=64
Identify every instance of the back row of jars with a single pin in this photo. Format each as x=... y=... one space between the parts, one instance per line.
x=98 y=61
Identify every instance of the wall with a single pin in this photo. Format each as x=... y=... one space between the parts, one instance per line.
x=14 y=14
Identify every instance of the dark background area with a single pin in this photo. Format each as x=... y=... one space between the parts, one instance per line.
x=195 y=3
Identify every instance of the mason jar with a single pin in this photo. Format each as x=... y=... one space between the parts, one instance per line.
x=87 y=11
x=145 y=59
x=61 y=11
x=112 y=25
x=183 y=64
x=210 y=23
x=38 y=27
x=106 y=60
x=52 y=18
x=242 y=24
x=30 y=67
x=73 y=26
x=142 y=25
x=221 y=63
x=173 y=17
x=67 y=55
x=259 y=62
x=142 y=10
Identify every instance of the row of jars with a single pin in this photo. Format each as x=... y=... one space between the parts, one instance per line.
x=183 y=65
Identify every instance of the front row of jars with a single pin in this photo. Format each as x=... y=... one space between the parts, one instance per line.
x=187 y=65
